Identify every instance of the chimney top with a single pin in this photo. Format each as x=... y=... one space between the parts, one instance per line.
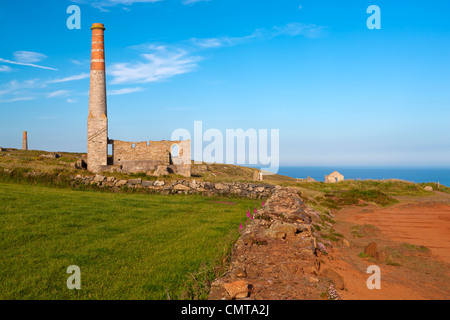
x=98 y=26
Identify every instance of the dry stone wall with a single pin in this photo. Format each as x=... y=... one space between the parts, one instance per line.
x=250 y=190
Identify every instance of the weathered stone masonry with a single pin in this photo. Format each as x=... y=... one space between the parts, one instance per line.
x=153 y=157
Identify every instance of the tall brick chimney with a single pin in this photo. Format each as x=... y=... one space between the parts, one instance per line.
x=25 y=141
x=97 y=155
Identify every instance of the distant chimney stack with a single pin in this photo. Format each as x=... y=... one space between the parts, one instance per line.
x=25 y=141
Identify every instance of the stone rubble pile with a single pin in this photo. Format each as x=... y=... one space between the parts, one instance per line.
x=276 y=256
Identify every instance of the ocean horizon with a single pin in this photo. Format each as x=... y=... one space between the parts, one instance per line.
x=413 y=174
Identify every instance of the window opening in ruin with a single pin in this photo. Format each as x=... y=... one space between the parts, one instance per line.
x=175 y=150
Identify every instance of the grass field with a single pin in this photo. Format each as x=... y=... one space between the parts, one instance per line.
x=128 y=246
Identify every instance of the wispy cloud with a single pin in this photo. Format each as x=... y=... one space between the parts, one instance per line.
x=5 y=69
x=192 y=1
x=72 y=100
x=160 y=62
x=28 y=56
x=218 y=42
x=159 y=65
x=71 y=78
x=124 y=91
x=57 y=93
x=16 y=87
x=291 y=29
x=26 y=64
x=102 y=5
x=19 y=99
x=298 y=29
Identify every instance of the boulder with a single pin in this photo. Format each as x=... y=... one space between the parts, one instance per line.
x=237 y=289
x=159 y=183
x=99 y=178
x=121 y=183
x=240 y=273
x=134 y=181
x=221 y=186
x=371 y=249
x=287 y=228
x=428 y=188
x=147 y=183
x=180 y=187
x=380 y=256
x=335 y=277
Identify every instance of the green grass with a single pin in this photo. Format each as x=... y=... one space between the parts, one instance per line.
x=128 y=246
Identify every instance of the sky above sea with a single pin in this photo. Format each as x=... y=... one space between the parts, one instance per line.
x=339 y=93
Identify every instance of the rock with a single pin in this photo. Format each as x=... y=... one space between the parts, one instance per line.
x=147 y=183
x=134 y=181
x=180 y=187
x=275 y=234
x=161 y=171
x=110 y=179
x=346 y=243
x=428 y=188
x=240 y=273
x=371 y=249
x=159 y=183
x=380 y=256
x=221 y=186
x=99 y=178
x=287 y=228
x=335 y=277
x=313 y=280
x=121 y=183
x=237 y=289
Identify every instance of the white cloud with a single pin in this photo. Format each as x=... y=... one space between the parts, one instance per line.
x=103 y=4
x=57 y=93
x=15 y=87
x=124 y=91
x=79 y=63
x=19 y=99
x=72 y=100
x=5 y=69
x=192 y=1
x=159 y=65
x=26 y=64
x=291 y=29
x=71 y=78
x=298 y=29
x=222 y=41
x=28 y=56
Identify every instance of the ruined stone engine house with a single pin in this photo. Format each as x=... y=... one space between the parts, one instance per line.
x=152 y=157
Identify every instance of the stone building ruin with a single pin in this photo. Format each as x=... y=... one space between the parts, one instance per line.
x=151 y=157
x=334 y=177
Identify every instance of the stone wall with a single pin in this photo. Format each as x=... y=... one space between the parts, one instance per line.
x=145 y=156
x=276 y=258
x=250 y=190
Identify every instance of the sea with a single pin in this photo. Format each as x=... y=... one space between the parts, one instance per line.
x=418 y=174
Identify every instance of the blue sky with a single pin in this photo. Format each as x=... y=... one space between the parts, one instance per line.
x=339 y=93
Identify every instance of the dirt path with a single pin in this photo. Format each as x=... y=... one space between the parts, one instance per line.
x=404 y=231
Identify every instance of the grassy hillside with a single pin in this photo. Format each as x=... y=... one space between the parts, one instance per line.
x=35 y=160
x=128 y=246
